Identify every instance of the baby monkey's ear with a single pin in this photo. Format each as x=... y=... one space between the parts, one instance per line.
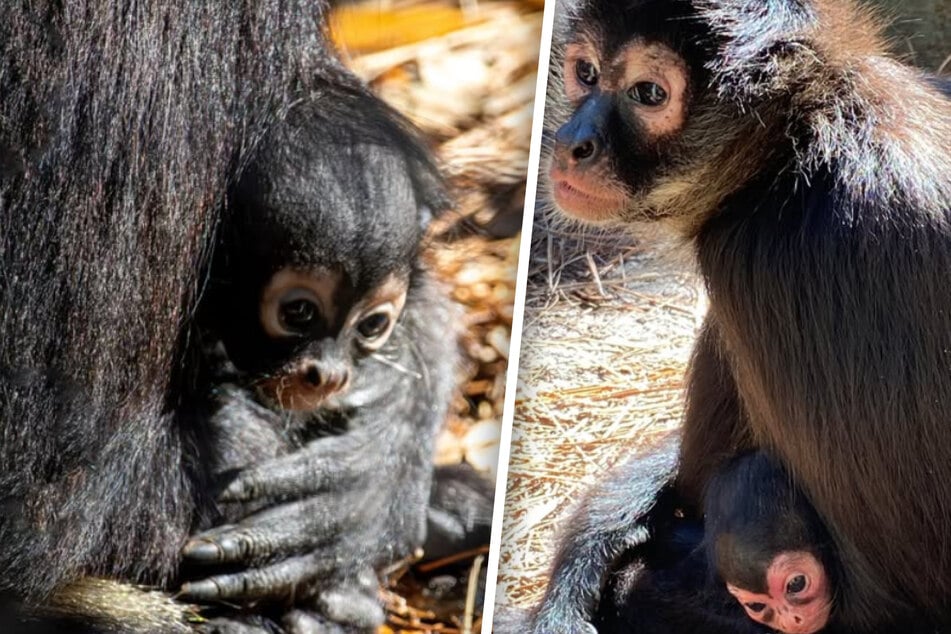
x=432 y=193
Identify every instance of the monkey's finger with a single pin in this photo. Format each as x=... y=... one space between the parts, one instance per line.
x=283 y=579
x=349 y=605
x=325 y=463
x=288 y=529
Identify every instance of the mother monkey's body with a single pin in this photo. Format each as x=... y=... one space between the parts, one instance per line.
x=811 y=174
x=122 y=125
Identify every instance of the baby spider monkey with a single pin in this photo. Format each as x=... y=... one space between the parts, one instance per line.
x=769 y=546
x=761 y=561
x=330 y=361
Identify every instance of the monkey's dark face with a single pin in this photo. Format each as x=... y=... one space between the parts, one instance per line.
x=629 y=104
x=798 y=597
x=647 y=136
x=630 y=78
x=321 y=253
x=324 y=326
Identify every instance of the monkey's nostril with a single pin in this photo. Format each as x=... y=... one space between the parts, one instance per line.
x=312 y=375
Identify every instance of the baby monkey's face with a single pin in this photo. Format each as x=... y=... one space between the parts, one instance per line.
x=797 y=597
x=325 y=324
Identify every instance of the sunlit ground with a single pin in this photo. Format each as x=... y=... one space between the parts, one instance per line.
x=608 y=332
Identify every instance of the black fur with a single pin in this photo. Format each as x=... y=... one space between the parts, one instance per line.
x=123 y=123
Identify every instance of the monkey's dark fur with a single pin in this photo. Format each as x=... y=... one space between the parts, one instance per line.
x=122 y=124
x=671 y=583
x=812 y=179
x=122 y=128
x=339 y=187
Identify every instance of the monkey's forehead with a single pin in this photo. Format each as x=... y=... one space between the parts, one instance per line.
x=353 y=181
x=609 y=26
x=359 y=215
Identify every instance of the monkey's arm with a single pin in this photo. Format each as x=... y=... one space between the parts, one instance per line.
x=335 y=494
x=614 y=517
x=335 y=511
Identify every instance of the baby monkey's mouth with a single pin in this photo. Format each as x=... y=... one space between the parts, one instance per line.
x=303 y=388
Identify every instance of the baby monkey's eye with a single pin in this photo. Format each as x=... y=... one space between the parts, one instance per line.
x=586 y=72
x=374 y=325
x=299 y=314
x=296 y=302
x=755 y=607
x=647 y=93
x=796 y=585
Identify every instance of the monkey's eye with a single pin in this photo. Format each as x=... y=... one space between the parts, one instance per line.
x=297 y=302
x=647 y=93
x=586 y=72
x=299 y=314
x=755 y=607
x=374 y=325
x=374 y=328
x=797 y=584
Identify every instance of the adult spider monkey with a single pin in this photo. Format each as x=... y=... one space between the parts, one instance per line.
x=809 y=173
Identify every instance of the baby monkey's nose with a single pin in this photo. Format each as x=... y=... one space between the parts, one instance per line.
x=330 y=379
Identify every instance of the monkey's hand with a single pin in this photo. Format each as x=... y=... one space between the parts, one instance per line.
x=613 y=518
x=350 y=607
x=327 y=584
x=338 y=507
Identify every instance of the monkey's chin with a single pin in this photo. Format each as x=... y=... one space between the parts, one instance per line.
x=580 y=205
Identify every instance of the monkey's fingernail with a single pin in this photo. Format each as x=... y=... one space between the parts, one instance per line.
x=199 y=590
x=201 y=550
